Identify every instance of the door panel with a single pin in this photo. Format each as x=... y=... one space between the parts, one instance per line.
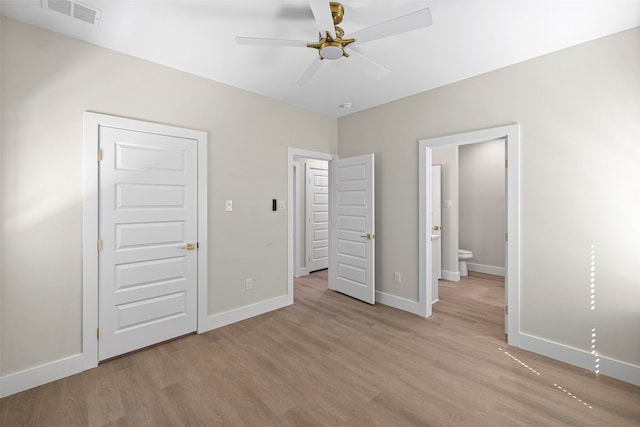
x=317 y=215
x=148 y=214
x=352 y=227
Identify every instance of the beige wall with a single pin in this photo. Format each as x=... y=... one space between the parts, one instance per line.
x=579 y=111
x=47 y=82
x=447 y=157
x=483 y=218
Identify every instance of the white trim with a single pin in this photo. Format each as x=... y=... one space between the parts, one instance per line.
x=610 y=367
x=92 y=122
x=483 y=268
x=242 y=313
x=89 y=237
x=42 y=374
x=512 y=282
x=293 y=153
x=452 y=276
x=398 y=302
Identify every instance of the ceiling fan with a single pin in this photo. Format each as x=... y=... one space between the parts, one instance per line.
x=333 y=45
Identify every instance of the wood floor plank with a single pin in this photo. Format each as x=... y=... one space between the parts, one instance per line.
x=329 y=360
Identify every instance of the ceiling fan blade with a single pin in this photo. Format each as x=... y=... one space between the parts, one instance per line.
x=264 y=41
x=372 y=68
x=310 y=71
x=399 y=25
x=322 y=15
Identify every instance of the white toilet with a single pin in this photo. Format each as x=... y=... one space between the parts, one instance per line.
x=463 y=256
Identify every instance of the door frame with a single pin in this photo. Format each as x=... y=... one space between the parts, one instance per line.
x=90 y=225
x=511 y=134
x=292 y=154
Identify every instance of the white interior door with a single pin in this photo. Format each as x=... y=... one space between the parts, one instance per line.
x=317 y=201
x=352 y=227
x=148 y=230
x=436 y=230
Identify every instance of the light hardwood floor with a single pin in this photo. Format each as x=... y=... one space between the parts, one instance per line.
x=329 y=360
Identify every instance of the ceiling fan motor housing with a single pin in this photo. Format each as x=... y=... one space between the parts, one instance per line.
x=337 y=12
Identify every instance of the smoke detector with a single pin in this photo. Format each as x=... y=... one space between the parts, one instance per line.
x=75 y=10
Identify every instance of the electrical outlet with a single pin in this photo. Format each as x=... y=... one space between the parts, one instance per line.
x=248 y=284
x=397 y=277
x=228 y=205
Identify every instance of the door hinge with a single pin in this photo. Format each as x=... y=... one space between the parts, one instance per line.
x=506 y=237
x=99 y=245
x=98 y=333
x=99 y=155
x=506 y=164
x=506 y=309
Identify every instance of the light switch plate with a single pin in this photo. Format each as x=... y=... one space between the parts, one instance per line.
x=282 y=205
x=228 y=205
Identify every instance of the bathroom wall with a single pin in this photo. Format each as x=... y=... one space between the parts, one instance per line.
x=482 y=212
x=447 y=157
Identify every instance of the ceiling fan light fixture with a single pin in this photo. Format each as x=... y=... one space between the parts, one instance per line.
x=331 y=50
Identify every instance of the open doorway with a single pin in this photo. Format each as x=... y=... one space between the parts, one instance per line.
x=310 y=215
x=351 y=223
x=471 y=207
x=510 y=134
x=298 y=160
x=469 y=211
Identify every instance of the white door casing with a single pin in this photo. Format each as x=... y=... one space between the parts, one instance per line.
x=436 y=229
x=153 y=280
x=148 y=217
x=511 y=133
x=352 y=227
x=317 y=213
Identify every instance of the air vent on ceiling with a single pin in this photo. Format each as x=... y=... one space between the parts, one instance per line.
x=74 y=9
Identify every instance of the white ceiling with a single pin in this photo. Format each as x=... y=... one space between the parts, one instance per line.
x=467 y=38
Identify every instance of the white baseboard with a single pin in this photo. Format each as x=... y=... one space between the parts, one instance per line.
x=52 y=371
x=38 y=375
x=453 y=276
x=610 y=367
x=301 y=271
x=398 y=302
x=237 y=314
x=483 y=268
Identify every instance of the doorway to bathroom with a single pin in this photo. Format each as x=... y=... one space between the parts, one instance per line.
x=508 y=136
x=472 y=208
